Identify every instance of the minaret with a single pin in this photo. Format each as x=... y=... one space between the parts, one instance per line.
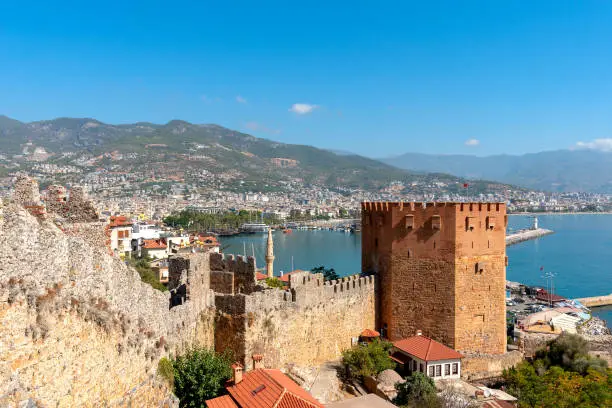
x=270 y=255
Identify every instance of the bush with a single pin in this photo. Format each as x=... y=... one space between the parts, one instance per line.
x=200 y=375
x=570 y=352
x=147 y=274
x=419 y=390
x=275 y=283
x=165 y=370
x=368 y=359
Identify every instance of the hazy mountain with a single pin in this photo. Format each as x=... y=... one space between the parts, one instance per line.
x=179 y=147
x=560 y=170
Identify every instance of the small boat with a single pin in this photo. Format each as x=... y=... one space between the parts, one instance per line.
x=287 y=231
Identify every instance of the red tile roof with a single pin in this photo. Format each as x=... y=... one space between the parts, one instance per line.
x=119 y=221
x=154 y=244
x=221 y=402
x=269 y=389
x=370 y=333
x=426 y=349
x=260 y=276
x=285 y=277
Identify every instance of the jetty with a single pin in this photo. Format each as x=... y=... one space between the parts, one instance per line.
x=596 y=301
x=526 y=235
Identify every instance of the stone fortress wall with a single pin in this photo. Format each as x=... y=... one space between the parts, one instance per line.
x=77 y=326
x=309 y=323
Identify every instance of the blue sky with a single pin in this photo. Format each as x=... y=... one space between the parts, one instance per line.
x=376 y=78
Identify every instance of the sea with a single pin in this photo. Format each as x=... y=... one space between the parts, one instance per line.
x=578 y=254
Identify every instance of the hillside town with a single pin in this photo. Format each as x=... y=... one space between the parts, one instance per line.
x=385 y=331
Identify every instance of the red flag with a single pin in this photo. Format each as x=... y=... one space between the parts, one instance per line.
x=465 y=185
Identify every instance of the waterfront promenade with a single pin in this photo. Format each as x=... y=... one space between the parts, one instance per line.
x=526 y=235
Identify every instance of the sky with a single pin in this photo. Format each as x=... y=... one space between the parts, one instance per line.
x=375 y=78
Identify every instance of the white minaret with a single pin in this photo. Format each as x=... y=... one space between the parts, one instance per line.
x=270 y=255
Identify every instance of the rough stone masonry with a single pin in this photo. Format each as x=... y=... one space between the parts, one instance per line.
x=79 y=328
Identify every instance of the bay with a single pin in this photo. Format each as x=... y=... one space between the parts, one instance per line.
x=579 y=253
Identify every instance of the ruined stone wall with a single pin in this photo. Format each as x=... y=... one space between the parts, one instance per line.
x=481 y=366
x=76 y=207
x=244 y=271
x=79 y=328
x=307 y=324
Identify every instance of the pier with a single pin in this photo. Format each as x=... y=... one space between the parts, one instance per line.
x=526 y=235
x=596 y=301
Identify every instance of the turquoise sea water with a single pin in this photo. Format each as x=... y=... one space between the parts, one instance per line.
x=579 y=253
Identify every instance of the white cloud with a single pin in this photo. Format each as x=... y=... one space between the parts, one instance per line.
x=603 y=145
x=472 y=142
x=241 y=99
x=302 y=108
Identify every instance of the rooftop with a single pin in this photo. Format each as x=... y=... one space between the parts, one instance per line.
x=154 y=244
x=426 y=349
x=265 y=388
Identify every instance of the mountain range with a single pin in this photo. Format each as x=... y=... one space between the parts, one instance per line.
x=559 y=170
x=182 y=146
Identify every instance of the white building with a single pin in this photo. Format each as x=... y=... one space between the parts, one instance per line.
x=120 y=234
x=422 y=354
x=146 y=231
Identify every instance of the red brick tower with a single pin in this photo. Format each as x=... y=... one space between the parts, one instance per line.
x=441 y=269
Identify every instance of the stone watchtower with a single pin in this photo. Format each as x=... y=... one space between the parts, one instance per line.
x=270 y=255
x=441 y=269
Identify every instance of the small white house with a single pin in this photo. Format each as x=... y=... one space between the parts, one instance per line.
x=422 y=354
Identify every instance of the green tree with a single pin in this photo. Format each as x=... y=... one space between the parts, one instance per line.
x=200 y=375
x=368 y=359
x=275 y=283
x=569 y=351
x=328 y=274
x=419 y=391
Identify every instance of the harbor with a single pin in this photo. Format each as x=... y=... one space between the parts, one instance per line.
x=526 y=235
x=596 y=301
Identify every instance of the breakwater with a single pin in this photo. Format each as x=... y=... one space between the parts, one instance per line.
x=526 y=235
x=596 y=301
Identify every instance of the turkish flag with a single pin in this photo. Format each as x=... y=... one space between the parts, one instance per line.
x=465 y=185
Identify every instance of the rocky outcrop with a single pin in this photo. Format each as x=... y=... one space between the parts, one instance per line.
x=78 y=327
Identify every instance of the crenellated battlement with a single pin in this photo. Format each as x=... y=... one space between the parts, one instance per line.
x=232 y=263
x=384 y=206
x=351 y=283
x=232 y=274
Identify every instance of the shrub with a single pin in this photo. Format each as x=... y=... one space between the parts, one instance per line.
x=147 y=274
x=419 y=390
x=275 y=283
x=165 y=370
x=200 y=375
x=368 y=359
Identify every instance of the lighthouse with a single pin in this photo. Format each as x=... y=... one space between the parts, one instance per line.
x=270 y=255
